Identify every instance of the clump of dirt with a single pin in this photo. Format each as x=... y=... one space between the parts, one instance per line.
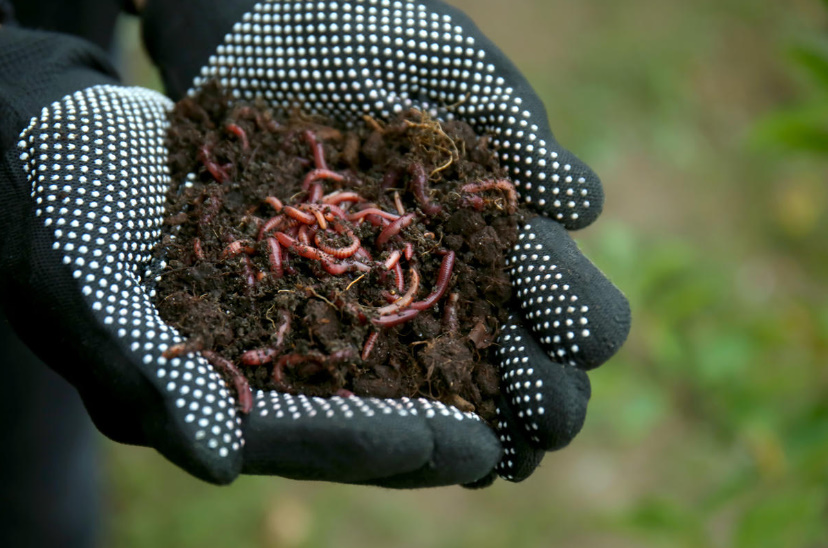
x=310 y=258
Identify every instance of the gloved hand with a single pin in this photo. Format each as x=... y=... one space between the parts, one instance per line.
x=76 y=251
x=349 y=58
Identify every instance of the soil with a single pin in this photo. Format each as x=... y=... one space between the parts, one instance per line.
x=256 y=300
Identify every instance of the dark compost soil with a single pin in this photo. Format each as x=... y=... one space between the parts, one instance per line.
x=246 y=282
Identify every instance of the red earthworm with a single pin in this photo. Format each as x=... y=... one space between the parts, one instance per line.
x=408 y=251
x=342 y=267
x=197 y=249
x=406 y=299
x=343 y=393
x=475 y=202
x=300 y=216
x=259 y=356
x=451 y=322
x=303 y=250
x=243 y=391
x=275 y=256
x=392 y=259
x=275 y=203
x=303 y=236
x=394 y=228
x=236 y=248
x=286 y=263
x=372 y=211
x=369 y=345
x=376 y=220
x=218 y=172
x=316 y=148
x=249 y=271
x=284 y=329
x=339 y=252
x=443 y=278
x=315 y=193
x=323 y=173
x=362 y=253
x=388 y=296
x=181 y=349
x=419 y=186
x=398 y=203
x=395 y=319
x=273 y=223
x=499 y=184
x=291 y=360
x=238 y=132
x=398 y=277
x=391 y=177
x=327 y=211
x=336 y=198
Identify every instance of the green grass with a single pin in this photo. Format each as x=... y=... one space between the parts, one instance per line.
x=706 y=121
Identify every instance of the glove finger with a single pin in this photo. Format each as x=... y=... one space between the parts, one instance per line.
x=369 y=57
x=548 y=399
x=578 y=315
x=520 y=455
x=392 y=443
x=96 y=164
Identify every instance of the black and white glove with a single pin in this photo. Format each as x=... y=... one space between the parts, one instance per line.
x=86 y=183
x=348 y=58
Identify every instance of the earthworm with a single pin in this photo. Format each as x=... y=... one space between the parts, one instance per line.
x=408 y=251
x=284 y=329
x=275 y=203
x=398 y=203
x=419 y=186
x=339 y=252
x=392 y=320
x=372 y=211
x=303 y=236
x=197 y=249
x=300 y=216
x=341 y=355
x=343 y=393
x=499 y=184
x=291 y=360
x=273 y=223
x=243 y=391
x=303 y=250
x=398 y=277
x=451 y=322
x=342 y=267
x=275 y=256
x=362 y=253
x=218 y=172
x=259 y=356
x=249 y=271
x=336 y=198
x=323 y=173
x=238 y=132
x=392 y=259
x=406 y=299
x=236 y=248
x=315 y=193
x=316 y=148
x=180 y=349
x=394 y=228
x=369 y=345
x=391 y=177
x=474 y=201
x=443 y=278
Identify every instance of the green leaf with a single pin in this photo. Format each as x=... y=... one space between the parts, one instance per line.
x=813 y=57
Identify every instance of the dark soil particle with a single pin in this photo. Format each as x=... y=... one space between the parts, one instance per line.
x=298 y=320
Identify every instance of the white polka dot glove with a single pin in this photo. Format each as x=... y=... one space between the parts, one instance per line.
x=89 y=172
x=344 y=59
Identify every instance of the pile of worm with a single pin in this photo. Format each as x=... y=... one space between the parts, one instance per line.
x=311 y=258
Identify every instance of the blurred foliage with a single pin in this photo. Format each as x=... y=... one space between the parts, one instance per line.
x=709 y=123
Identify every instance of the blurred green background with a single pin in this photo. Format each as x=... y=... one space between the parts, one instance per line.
x=708 y=122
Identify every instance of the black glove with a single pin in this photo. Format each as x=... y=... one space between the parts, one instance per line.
x=82 y=181
x=349 y=58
